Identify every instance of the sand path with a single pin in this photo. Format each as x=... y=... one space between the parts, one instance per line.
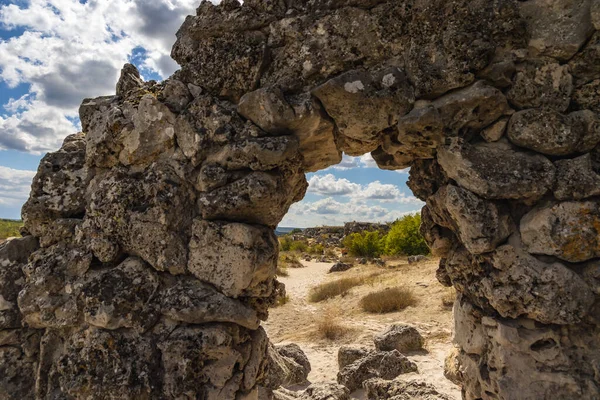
x=295 y=322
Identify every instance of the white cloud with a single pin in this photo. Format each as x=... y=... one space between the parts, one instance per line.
x=71 y=50
x=329 y=185
x=14 y=186
x=348 y=162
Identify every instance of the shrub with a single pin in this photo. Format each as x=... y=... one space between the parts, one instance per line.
x=388 y=300
x=365 y=244
x=316 y=249
x=285 y=242
x=296 y=230
x=299 y=245
x=404 y=238
x=9 y=228
x=332 y=289
x=289 y=261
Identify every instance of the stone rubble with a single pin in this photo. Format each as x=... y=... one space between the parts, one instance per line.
x=149 y=254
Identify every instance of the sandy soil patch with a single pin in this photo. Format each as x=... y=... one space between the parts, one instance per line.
x=296 y=321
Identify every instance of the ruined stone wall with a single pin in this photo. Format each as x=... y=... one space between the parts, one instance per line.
x=150 y=255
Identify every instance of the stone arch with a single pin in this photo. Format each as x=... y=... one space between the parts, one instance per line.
x=149 y=254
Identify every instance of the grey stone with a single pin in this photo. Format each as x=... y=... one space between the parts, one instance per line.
x=496 y=171
x=340 y=267
x=541 y=84
x=481 y=225
x=399 y=337
x=302 y=116
x=551 y=133
x=558 y=28
x=237 y=259
x=383 y=97
x=397 y=389
x=380 y=364
x=576 y=179
x=567 y=230
x=130 y=80
x=347 y=354
x=194 y=302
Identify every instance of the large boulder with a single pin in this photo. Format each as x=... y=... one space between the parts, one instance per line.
x=399 y=389
x=576 y=179
x=383 y=96
x=481 y=225
x=399 y=337
x=497 y=171
x=349 y=353
x=569 y=230
x=237 y=259
x=555 y=134
x=378 y=364
x=557 y=28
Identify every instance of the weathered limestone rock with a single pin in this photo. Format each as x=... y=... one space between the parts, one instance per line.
x=13 y=256
x=496 y=171
x=134 y=213
x=452 y=370
x=397 y=389
x=481 y=225
x=349 y=353
x=541 y=353
x=576 y=179
x=399 y=337
x=541 y=84
x=558 y=28
x=58 y=189
x=340 y=267
x=287 y=365
x=585 y=66
x=130 y=80
x=194 y=302
x=301 y=116
x=237 y=259
x=494 y=132
x=383 y=97
x=380 y=364
x=519 y=284
x=555 y=134
x=567 y=230
x=52 y=284
x=121 y=297
x=423 y=130
x=316 y=391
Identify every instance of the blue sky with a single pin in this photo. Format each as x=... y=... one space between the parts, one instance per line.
x=54 y=53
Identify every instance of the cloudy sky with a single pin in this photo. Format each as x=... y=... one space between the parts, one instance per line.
x=54 y=53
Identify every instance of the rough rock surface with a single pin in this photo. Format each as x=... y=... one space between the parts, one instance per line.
x=379 y=364
x=399 y=337
x=151 y=254
x=397 y=389
x=340 y=267
x=349 y=353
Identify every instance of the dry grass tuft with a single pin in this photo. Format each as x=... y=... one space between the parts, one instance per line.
x=329 y=326
x=332 y=289
x=388 y=300
x=449 y=297
x=290 y=261
x=282 y=271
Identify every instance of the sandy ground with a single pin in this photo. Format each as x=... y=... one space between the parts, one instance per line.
x=296 y=321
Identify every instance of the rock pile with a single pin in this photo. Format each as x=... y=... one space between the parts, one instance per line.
x=150 y=254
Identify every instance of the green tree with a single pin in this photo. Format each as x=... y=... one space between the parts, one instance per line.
x=404 y=238
x=365 y=244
